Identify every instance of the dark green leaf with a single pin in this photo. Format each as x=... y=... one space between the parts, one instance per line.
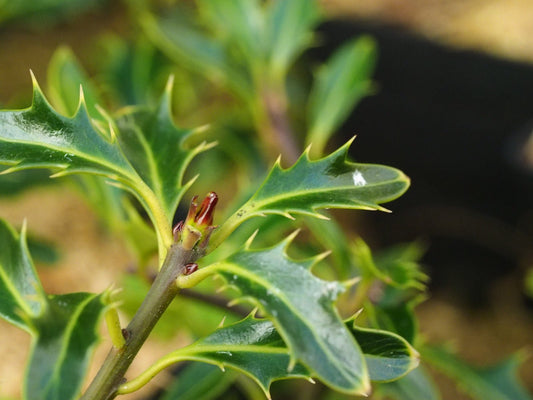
x=64 y=337
x=388 y=356
x=330 y=182
x=159 y=151
x=199 y=381
x=13 y=184
x=340 y=84
x=22 y=297
x=302 y=308
x=39 y=137
x=63 y=327
x=498 y=382
x=416 y=385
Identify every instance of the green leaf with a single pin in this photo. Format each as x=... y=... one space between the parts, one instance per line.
x=63 y=341
x=397 y=266
x=175 y=36
x=339 y=85
x=63 y=327
x=388 y=356
x=22 y=297
x=289 y=31
x=250 y=346
x=302 y=308
x=65 y=75
x=416 y=385
x=498 y=382
x=199 y=381
x=330 y=182
x=39 y=137
x=159 y=151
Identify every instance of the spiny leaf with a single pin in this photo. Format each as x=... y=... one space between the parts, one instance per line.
x=388 y=356
x=330 y=182
x=254 y=347
x=62 y=346
x=21 y=294
x=63 y=327
x=159 y=150
x=39 y=137
x=498 y=382
x=302 y=309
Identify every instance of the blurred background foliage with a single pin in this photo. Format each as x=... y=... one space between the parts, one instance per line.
x=456 y=120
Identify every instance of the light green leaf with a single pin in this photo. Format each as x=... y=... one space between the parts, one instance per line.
x=289 y=31
x=397 y=266
x=330 y=182
x=175 y=36
x=65 y=75
x=241 y=24
x=21 y=294
x=63 y=327
x=416 y=385
x=302 y=309
x=159 y=151
x=498 y=382
x=339 y=85
x=388 y=356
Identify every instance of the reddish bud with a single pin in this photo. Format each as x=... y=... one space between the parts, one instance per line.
x=176 y=231
x=204 y=216
x=190 y=268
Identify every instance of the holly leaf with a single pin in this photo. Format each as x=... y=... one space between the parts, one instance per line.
x=63 y=327
x=388 y=356
x=159 y=151
x=330 y=182
x=21 y=294
x=497 y=382
x=254 y=347
x=302 y=309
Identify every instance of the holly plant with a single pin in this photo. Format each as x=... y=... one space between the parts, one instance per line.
x=304 y=299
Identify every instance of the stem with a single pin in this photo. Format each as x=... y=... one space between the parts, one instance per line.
x=164 y=289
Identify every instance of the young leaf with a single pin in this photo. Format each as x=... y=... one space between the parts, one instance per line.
x=339 y=86
x=289 y=30
x=302 y=309
x=498 y=382
x=63 y=327
x=330 y=182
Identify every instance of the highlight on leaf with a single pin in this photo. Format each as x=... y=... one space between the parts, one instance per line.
x=308 y=186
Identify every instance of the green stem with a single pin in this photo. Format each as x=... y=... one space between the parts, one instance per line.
x=164 y=289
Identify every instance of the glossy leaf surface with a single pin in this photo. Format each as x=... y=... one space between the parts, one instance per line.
x=158 y=150
x=388 y=356
x=21 y=295
x=302 y=309
x=63 y=327
x=330 y=182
